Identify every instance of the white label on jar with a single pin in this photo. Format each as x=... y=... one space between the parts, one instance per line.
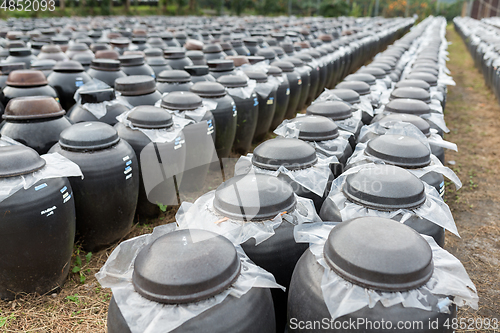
x=127 y=170
x=126 y=158
x=128 y=177
x=270 y=101
x=48 y=211
x=67 y=198
x=288 y=91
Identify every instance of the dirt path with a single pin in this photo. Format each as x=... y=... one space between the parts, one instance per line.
x=473 y=115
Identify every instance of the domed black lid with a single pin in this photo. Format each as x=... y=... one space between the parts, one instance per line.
x=174 y=53
x=278 y=50
x=413 y=83
x=32 y=107
x=386 y=68
x=384 y=187
x=286 y=66
x=269 y=195
x=295 y=61
x=146 y=116
x=411 y=106
x=20 y=52
x=212 y=48
x=347 y=95
x=156 y=61
x=294 y=154
x=250 y=41
x=236 y=42
x=316 y=128
x=267 y=53
x=360 y=87
x=364 y=77
x=411 y=92
x=181 y=100
x=420 y=123
x=19 y=160
x=274 y=71
x=399 y=150
x=131 y=60
x=135 y=85
x=304 y=57
x=233 y=81
x=380 y=254
x=425 y=69
x=174 y=75
x=336 y=110
x=427 y=77
x=97 y=96
x=258 y=76
x=153 y=52
x=195 y=55
x=69 y=66
x=88 y=136
x=226 y=46
x=377 y=72
x=5 y=69
x=208 y=89
x=103 y=64
x=78 y=47
x=197 y=70
x=185 y=266
x=221 y=65
x=43 y=64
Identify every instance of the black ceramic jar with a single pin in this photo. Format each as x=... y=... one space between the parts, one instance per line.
x=138 y=90
x=66 y=78
x=173 y=80
x=106 y=70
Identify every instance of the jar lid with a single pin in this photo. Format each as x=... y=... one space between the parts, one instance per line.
x=236 y=42
x=380 y=254
x=316 y=128
x=362 y=88
x=181 y=100
x=104 y=64
x=173 y=76
x=43 y=64
x=295 y=61
x=377 y=72
x=130 y=60
x=285 y=66
x=226 y=46
x=233 y=81
x=267 y=53
x=174 y=53
x=399 y=150
x=107 y=54
x=88 y=136
x=208 y=89
x=411 y=92
x=153 y=52
x=97 y=96
x=212 y=48
x=411 y=106
x=78 y=47
x=198 y=70
x=20 y=52
x=254 y=197
x=135 y=85
x=347 y=95
x=425 y=69
x=288 y=47
x=255 y=59
x=120 y=42
x=26 y=78
x=386 y=68
x=336 y=110
x=157 y=61
x=413 y=83
x=185 y=266
x=364 y=77
x=69 y=66
x=294 y=154
x=220 y=65
x=421 y=124
x=238 y=60
x=193 y=44
x=427 y=77
x=146 y=116
x=258 y=76
x=17 y=160
x=385 y=187
x=250 y=41
x=6 y=68
x=274 y=71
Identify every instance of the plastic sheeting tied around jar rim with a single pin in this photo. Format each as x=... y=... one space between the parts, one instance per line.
x=433 y=209
x=56 y=166
x=202 y=215
x=143 y=315
x=342 y=297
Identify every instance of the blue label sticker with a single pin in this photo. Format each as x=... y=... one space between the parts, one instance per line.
x=128 y=162
x=39 y=187
x=255 y=101
x=79 y=83
x=63 y=189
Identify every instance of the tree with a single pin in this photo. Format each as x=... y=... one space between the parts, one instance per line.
x=334 y=8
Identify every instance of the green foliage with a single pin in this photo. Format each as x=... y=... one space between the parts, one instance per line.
x=75 y=298
x=5 y=320
x=334 y=8
x=79 y=266
x=162 y=207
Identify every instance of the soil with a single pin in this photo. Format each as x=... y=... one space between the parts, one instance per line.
x=472 y=114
